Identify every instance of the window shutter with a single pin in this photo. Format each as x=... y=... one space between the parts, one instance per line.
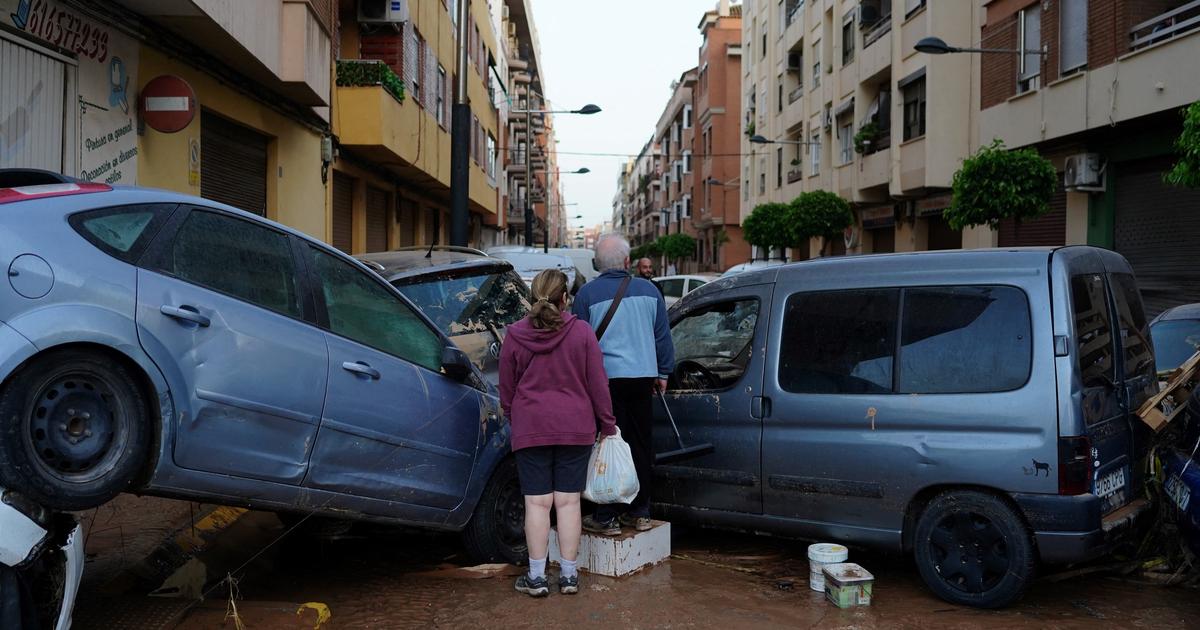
x=1073 y=29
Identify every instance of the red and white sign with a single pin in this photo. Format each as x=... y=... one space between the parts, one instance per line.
x=168 y=104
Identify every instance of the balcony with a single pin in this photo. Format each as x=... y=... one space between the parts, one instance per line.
x=1178 y=21
x=795 y=175
x=876 y=169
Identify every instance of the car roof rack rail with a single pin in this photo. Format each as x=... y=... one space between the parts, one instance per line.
x=441 y=248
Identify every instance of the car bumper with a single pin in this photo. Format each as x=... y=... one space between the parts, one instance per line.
x=1070 y=529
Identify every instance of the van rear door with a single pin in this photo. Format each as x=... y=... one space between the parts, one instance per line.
x=1090 y=374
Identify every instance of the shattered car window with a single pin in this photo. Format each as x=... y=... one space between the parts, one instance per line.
x=462 y=304
x=712 y=345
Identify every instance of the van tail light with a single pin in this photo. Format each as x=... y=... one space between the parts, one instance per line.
x=1074 y=471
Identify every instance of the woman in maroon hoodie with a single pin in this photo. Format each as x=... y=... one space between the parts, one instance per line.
x=555 y=393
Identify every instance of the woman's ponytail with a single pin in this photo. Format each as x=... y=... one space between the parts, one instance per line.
x=547 y=289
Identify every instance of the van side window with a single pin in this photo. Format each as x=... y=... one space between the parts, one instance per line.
x=712 y=345
x=957 y=340
x=1093 y=329
x=839 y=342
x=1135 y=336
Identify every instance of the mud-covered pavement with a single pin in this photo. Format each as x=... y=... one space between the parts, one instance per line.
x=378 y=577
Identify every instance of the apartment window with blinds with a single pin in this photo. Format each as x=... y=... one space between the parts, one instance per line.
x=687 y=161
x=911 y=6
x=814 y=154
x=491 y=157
x=440 y=97
x=914 y=109
x=419 y=75
x=1072 y=34
x=848 y=38
x=1029 y=66
x=846 y=140
x=816 y=55
x=779 y=168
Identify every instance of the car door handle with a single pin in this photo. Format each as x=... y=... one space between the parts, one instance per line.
x=185 y=313
x=358 y=367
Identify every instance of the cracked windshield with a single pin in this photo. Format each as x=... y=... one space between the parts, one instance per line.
x=862 y=314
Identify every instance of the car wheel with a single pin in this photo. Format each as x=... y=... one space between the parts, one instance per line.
x=973 y=549
x=496 y=532
x=74 y=430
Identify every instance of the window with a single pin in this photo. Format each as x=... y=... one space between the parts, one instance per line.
x=816 y=55
x=779 y=107
x=778 y=168
x=914 y=109
x=814 y=153
x=712 y=345
x=1029 y=66
x=1137 y=350
x=419 y=74
x=491 y=156
x=440 y=97
x=764 y=43
x=687 y=116
x=839 y=342
x=687 y=161
x=1093 y=330
x=687 y=206
x=762 y=183
x=911 y=6
x=1072 y=34
x=469 y=300
x=964 y=340
x=848 y=38
x=235 y=257
x=846 y=140
x=671 y=288
x=361 y=309
x=121 y=232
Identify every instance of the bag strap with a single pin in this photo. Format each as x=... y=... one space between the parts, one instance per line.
x=612 y=308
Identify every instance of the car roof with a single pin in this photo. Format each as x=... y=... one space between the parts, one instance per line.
x=1183 y=311
x=538 y=259
x=411 y=261
x=691 y=276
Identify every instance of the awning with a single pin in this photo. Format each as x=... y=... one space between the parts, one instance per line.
x=906 y=81
x=843 y=108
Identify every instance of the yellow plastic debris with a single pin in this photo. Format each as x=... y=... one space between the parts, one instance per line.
x=323 y=613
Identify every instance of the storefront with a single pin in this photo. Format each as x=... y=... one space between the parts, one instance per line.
x=939 y=234
x=879 y=228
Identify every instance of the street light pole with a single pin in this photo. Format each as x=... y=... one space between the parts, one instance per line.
x=460 y=140
x=528 y=171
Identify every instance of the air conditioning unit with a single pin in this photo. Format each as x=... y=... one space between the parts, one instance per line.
x=795 y=62
x=827 y=119
x=382 y=11
x=1084 y=172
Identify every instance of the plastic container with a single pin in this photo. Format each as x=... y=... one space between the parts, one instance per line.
x=819 y=556
x=848 y=584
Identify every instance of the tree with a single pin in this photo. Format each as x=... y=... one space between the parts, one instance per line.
x=649 y=250
x=769 y=226
x=997 y=184
x=819 y=213
x=1187 y=170
x=676 y=246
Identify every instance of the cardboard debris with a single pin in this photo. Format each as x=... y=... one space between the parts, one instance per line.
x=1163 y=407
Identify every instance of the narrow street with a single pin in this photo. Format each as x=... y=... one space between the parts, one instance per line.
x=379 y=577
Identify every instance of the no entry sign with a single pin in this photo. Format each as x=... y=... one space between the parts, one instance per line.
x=168 y=104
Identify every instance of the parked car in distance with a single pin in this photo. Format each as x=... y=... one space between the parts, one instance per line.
x=470 y=296
x=171 y=345
x=530 y=261
x=675 y=287
x=973 y=408
x=1176 y=336
x=584 y=259
x=753 y=265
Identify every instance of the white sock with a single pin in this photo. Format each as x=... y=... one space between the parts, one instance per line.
x=537 y=568
x=569 y=567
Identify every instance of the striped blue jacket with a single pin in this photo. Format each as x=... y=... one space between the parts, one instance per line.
x=638 y=341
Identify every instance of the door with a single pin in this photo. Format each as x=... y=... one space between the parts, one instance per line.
x=220 y=312
x=343 y=212
x=394 y=428
x=233 y=164
x=715 y=398
x=377 y=219
x=1105 y=416
x=1138 y=379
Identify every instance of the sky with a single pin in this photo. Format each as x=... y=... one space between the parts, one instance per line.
x=621 y=55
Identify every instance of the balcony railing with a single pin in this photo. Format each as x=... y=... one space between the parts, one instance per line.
x=794 y=8
x=1182 y=19
x=795 y=175
x=881 y=28
x=795 y=94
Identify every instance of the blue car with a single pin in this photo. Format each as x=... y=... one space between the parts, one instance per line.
x=164 y=344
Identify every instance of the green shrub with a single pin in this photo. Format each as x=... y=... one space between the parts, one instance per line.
x=996 y=184
x=361 y=73
x=1186 y=171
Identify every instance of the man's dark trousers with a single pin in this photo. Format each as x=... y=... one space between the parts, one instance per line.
x=631 y=400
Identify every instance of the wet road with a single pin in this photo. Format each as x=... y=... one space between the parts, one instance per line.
x=385 y=578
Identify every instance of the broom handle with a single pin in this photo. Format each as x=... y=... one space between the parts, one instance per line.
x=663 y=398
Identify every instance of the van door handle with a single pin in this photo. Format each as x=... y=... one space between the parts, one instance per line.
x=760 y=407
x=185 y=313
x=358 y=367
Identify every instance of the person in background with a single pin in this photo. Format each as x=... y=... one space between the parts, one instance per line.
x=555 y=392
x=645 y=268
x=638 y=357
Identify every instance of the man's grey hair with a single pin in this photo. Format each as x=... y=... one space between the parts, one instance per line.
x=612 y=250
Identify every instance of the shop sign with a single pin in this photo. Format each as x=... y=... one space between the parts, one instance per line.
x=108 y=62
x=878 y=217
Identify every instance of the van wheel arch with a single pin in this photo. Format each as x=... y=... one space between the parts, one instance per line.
x=916 y=507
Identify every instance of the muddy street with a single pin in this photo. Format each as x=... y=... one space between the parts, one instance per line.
x=380 y=577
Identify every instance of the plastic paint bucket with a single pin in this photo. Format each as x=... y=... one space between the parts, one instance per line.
x=819 y=556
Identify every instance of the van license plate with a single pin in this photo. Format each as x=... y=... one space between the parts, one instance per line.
x=1180 y=494
x=1110 y=483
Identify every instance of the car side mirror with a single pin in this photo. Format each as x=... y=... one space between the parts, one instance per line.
x=455 y=364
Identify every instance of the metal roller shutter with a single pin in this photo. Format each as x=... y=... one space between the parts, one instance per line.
x=32 y=88
x=1048 y=229
x=377 y=220
x=233 y=164
x=883 y=240
x=1157 y=229
x=343 y=212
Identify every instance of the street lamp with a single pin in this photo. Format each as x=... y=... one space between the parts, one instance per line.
x=546 y=228
x=757 y=139
x=938 y=46
x=585 y=110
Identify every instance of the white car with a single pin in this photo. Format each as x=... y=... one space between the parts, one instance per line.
x=42 y=551
x=753 y=265
x=675 y=287
x=585 y=260
x=529 y=261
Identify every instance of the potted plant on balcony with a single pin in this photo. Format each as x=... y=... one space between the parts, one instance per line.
x=996 y=184
x=750 y=129
x=866 y=141
x=1186 y=171
x=819 y=213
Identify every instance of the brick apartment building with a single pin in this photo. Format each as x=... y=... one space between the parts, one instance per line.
x=1103 y=105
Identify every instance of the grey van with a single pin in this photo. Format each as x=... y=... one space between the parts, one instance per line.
x=972 y=408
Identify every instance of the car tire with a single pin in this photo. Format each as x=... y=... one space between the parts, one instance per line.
x=496 y=532
x=74 y=430
x=973 y=549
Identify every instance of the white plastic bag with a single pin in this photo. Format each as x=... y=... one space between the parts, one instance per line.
x=611 y=476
